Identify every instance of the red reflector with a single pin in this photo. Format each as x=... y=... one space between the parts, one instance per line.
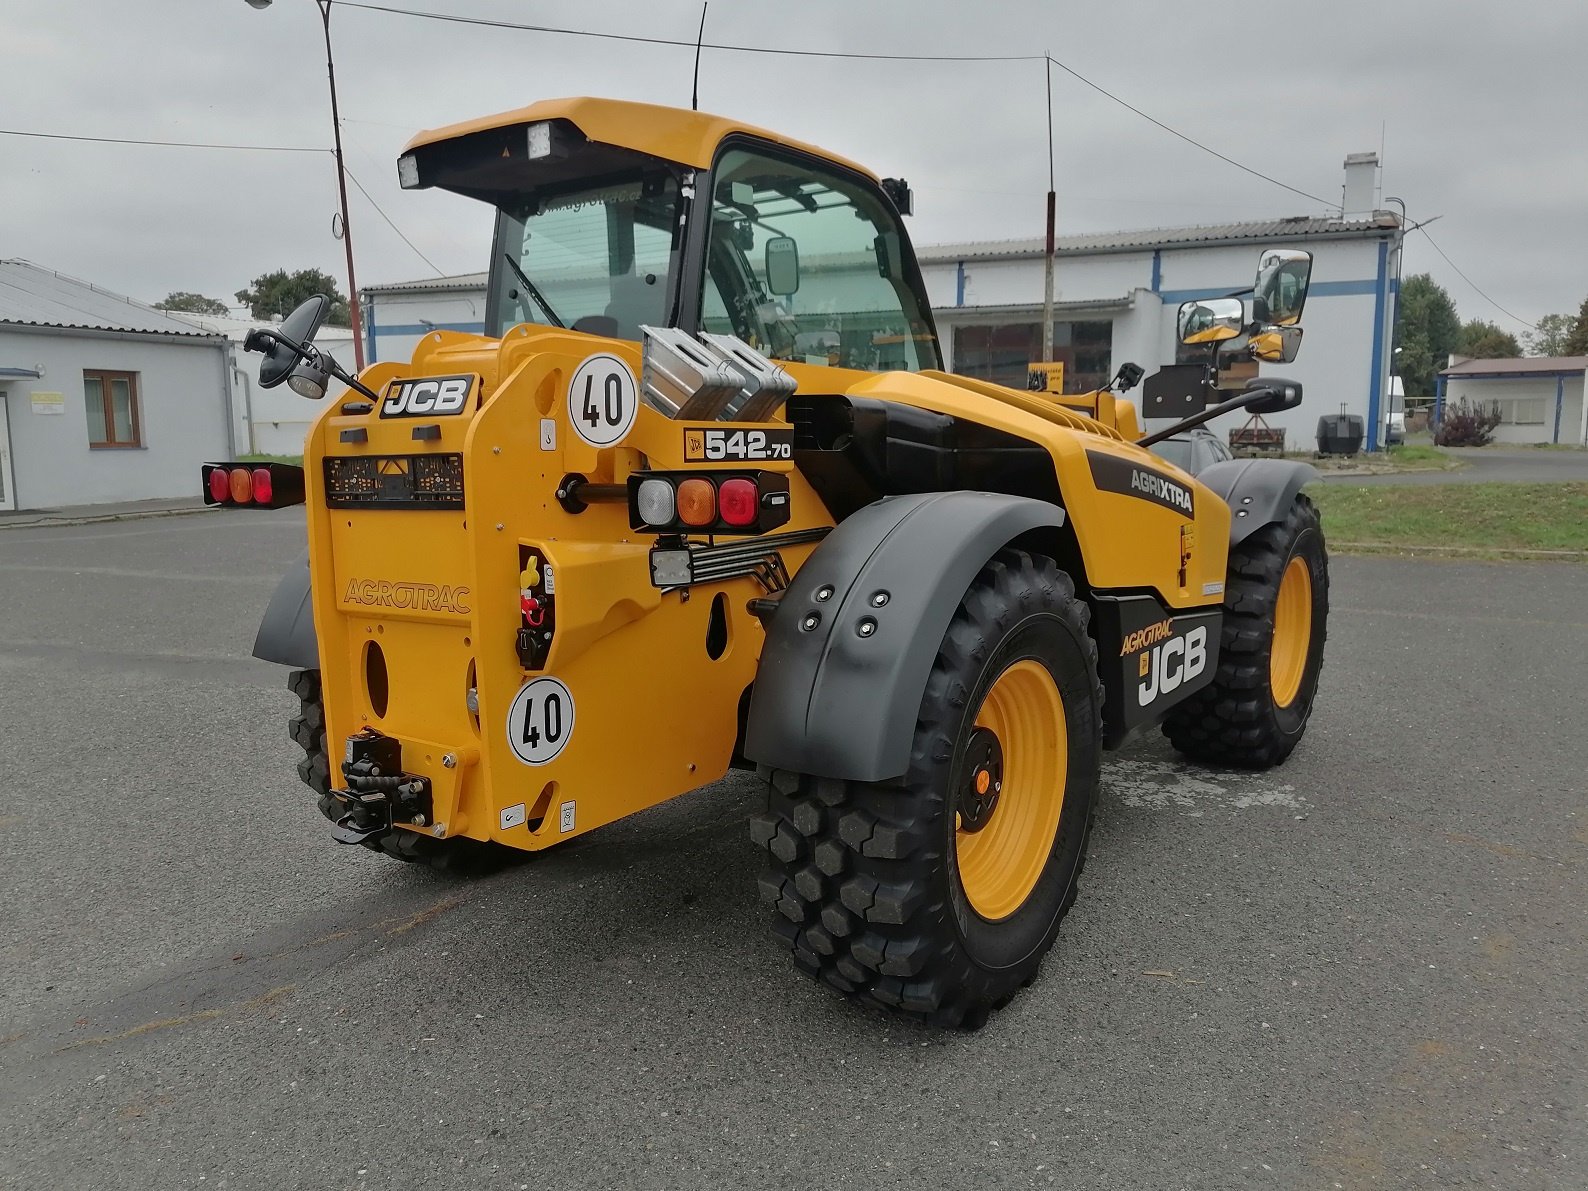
x=263 y=488
x=242 y=486
x=220 y=488
x=737 y=501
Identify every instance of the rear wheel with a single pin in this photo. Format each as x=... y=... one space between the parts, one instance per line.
x=1276 y=611
x=460 y=857
x=938 y=895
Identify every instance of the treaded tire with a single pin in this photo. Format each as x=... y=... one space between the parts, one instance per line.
x=457 y=857
x=863 y=879
x=1235 y=720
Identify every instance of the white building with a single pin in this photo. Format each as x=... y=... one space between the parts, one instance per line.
x=102 y=398
x=1116 y=298
x=1540 y=398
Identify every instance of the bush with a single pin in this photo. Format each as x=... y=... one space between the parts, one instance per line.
x=1467 y=424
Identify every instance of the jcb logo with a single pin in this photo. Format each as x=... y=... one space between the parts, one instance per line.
x=426 y=397
x=1177 y=660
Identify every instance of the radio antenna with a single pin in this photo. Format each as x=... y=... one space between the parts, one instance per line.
x=694 y=95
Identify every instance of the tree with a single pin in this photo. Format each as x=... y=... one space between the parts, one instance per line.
x=1427 y=332
x=1549 y=339
x=274 y=295
x=1577 y=338
x=1485 y=341
x=192 y=304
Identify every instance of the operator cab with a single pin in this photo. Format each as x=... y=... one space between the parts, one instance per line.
x=614 y=216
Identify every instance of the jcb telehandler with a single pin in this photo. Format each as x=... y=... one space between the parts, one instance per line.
x=702 y=496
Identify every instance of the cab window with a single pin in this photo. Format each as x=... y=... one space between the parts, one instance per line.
x=811 y=266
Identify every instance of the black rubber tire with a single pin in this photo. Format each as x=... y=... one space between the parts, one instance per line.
x=1234 y=721
x=863 y=879
x=456 y=857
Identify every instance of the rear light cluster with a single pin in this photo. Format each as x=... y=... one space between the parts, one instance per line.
x=252 y=485
x=715 y=502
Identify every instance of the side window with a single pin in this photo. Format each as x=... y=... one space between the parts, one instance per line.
x=808 y=266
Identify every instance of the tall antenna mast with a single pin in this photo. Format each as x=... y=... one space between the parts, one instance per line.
x=694 y=95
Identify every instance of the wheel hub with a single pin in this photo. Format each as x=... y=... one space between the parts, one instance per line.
x=984 y=780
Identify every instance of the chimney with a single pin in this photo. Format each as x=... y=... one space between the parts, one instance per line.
x=1361 y=179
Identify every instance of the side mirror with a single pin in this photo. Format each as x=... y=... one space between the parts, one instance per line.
x=284 y=346
x=1280 y=291
x=1276 y=345
x=782 y=266
x=1211 y=321
x=1277 y=395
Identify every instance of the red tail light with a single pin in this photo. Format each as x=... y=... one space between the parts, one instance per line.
x=263 y=487
x=738 y=501
x=220 y=486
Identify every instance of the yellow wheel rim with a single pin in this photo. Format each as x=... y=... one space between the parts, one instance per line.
x=1000 y=864
x=1287 y=659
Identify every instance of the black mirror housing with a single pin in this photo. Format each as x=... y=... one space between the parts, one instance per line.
x=1274 y=394
x=285 y=345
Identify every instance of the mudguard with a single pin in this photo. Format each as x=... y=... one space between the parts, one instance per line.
x=286 y=634
x=840 y=679
x=1258 y=491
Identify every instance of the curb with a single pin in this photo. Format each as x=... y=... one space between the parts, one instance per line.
x=1493 y=553
x=57 y=522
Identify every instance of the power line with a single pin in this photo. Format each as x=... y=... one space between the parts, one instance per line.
x=1473 y=283
x=352 y=177
x=1187 y=139
x=689 y=44
x=746 y=49
x=114 y=140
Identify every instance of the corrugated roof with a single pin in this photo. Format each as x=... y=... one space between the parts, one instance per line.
x=236 y=329
x=31 y=296
x=457 y=281
x=1510 y=366
x=1301 y=227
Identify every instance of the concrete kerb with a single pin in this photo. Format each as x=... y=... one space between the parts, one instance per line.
x=94 y=514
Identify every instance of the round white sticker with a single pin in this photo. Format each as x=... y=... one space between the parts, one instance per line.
x=540 y=721
x=602 y=401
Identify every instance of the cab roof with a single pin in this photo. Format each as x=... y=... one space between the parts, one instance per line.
x=676 y=134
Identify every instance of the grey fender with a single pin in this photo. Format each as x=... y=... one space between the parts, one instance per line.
x=832 y=702
x=286 y=634
x=1258 y=491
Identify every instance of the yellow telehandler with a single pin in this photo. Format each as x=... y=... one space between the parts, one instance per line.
x=702 y=496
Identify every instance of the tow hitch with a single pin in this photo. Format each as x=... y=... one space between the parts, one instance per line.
x=378 y=794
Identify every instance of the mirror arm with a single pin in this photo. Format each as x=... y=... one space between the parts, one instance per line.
x=328 y=362
x=258 y=338
x=1237 y=402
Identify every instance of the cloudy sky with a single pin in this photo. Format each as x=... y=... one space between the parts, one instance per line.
x=1480 y=108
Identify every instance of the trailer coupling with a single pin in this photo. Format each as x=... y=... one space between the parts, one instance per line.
x=378 y=794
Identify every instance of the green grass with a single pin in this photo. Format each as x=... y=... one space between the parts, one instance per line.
x=1492 y=519
x=1417 y=453
x=295 y=460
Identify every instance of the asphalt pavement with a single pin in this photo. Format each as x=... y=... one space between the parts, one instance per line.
x=1363 y=969
x=1488 y=465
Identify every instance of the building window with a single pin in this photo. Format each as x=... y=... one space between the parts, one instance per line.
x=1523 y=411
x=112 y=402
x=999 y=352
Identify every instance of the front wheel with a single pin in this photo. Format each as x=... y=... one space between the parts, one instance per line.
x=1276 y=611
x=938 y=895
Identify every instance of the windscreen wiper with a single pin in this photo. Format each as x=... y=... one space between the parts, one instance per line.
x=533 y=292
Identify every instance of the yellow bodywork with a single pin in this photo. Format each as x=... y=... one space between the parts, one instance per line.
x=688 y=137
x=654 y=715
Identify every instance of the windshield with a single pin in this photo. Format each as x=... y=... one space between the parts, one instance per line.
x=598 y=258
x=809 y=265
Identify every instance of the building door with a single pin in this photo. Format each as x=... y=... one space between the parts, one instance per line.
x=8 y=496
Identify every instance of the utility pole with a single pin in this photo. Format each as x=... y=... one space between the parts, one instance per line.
x=354 y=314
x=1047 y=282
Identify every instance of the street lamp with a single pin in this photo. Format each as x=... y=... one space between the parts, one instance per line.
x=341 y=181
